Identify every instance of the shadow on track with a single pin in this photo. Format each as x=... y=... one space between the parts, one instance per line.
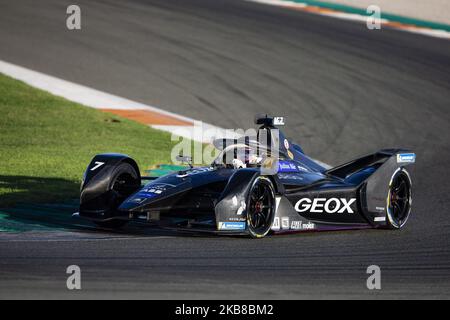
x=37 y=204
x=26 y=189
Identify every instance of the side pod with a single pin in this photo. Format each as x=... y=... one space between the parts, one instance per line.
x=231 y=206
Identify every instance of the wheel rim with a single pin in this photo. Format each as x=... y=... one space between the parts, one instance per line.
x=260 y=206
x=399 y=199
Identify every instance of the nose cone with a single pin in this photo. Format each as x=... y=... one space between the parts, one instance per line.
x=161 y=191
x=152 y=193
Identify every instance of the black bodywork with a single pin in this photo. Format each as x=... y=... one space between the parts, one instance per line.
x=308 y=195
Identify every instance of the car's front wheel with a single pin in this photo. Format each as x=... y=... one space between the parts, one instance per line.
x=125 y=180
x=260 y=207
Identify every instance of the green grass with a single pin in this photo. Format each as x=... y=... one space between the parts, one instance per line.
x=46 y=142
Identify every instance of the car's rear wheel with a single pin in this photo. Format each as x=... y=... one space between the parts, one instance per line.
x=399 y=199
x=125 y=181
x=261 y=207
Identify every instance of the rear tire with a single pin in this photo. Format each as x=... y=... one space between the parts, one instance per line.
x=260 y=207
x=399 y=200
x=124 y=182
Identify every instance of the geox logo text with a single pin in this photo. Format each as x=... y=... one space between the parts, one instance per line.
x=321 y=205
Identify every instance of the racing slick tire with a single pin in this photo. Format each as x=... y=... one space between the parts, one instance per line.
x=399 y=199
x=261 y=207
x=124 y=181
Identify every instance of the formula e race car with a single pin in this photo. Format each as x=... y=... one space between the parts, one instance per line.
x=256 y=186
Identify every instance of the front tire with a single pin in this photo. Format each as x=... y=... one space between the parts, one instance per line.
x=261 y=207
x=124 y=182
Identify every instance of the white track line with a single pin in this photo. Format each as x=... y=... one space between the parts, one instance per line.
x=90 y=97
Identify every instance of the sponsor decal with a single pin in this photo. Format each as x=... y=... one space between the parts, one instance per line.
x=379 y=209
x=278 y=121
x=286 y=144
x=237 y=219
x=301 y=168
x=241 y=208
x=296 y=225
x=299 y=225
x=141 y=196
x=231 y=225
x=194 y=172
x=157 y=188
x=276 y=224
x=154 y=189
x=285 y=223
x=293 y=225
x=308 y=226
x=290 y=176
x=290 y=154
x=287 y=166
x=138 y=200
x=323 y=205
x=379 y=219
x=406 y=158
x=151 y=191
x=242 y=205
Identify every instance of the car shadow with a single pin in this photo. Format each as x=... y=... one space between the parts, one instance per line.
x=28 y=189
x=36 y=203
x=40 y=204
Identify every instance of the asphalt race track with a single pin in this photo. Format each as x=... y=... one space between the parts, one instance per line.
x=345 y=91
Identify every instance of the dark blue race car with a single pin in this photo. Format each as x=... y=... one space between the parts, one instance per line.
x=254 y=187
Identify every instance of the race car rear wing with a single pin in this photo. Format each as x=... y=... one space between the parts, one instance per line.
x=349 y=168
x=373 y=175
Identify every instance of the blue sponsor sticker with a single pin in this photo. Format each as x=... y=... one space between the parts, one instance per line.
x=146 y=195
x=406 y=158
x=287 y=166
x=153 y=190
x=231 y=225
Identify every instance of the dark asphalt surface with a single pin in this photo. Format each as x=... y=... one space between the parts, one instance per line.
x=345 y=91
